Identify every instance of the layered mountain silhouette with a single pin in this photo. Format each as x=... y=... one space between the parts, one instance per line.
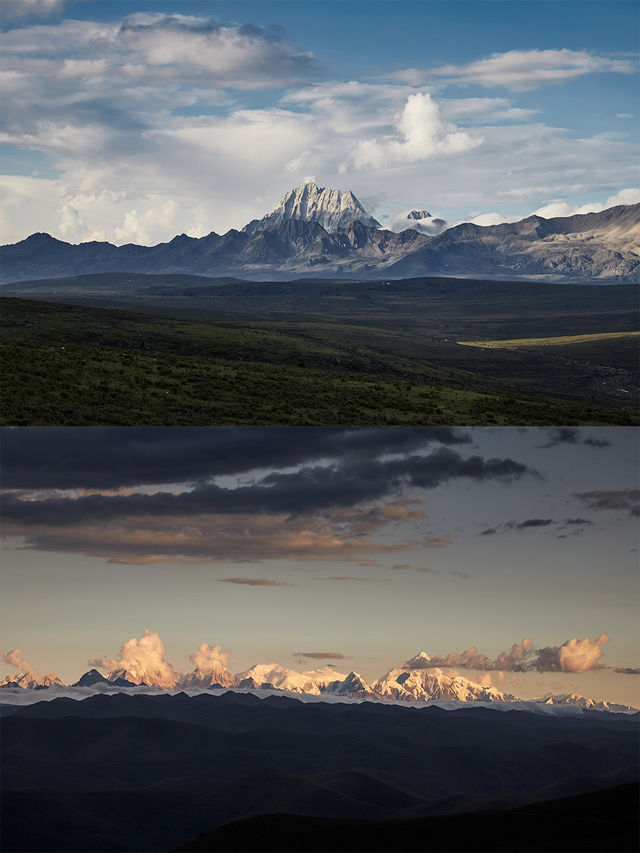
x=148 y=772
x=320 y=232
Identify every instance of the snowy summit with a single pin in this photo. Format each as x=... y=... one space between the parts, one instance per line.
x=332 y=209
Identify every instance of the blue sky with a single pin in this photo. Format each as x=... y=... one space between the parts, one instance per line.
x=134 y=121
x=369 y=543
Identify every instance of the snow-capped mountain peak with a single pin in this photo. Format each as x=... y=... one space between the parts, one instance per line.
x=415 y=680
x=331 y=208
x=582 y=702
x=216 y=674
x=32 y=680
x=280 y=678
x=418 y=661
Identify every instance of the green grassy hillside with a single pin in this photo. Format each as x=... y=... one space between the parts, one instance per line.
x=79 y=365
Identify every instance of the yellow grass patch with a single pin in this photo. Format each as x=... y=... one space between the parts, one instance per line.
x=548 y=342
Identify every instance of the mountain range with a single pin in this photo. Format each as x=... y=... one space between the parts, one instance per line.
x=321 y=232
x=413 y=681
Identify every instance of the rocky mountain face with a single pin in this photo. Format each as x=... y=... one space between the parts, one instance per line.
x=332 y=209
x=592 y=247
x=586 y=247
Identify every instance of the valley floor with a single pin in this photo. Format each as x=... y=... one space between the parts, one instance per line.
x=341 y=362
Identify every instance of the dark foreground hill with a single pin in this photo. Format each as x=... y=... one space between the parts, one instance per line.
x=603 y=821
x=145 y=773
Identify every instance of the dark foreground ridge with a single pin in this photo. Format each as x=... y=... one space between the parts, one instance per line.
x=603 y=821
x=148 y=772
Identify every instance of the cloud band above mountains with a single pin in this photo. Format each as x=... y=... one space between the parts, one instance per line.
x=573 y=656
x=326 y=495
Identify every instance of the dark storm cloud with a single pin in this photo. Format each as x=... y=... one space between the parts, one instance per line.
x=347 y=483
x=577 y=521
x=628 y=670
x=111 y=458
x=533 y=522
x=572 y=435
x=615 y=499
x=253 y=581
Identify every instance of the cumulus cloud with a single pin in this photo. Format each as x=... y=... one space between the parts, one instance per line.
x=141 y=660
x=522 y=70
x=14 y=658
x=423 y=134
x=209 y=658
x=574 y=656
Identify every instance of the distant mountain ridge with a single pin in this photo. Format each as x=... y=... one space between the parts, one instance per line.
x=415 y=680
x=323 y=235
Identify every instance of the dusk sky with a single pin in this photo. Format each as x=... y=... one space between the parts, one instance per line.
x=136 y=121
x=369 y=544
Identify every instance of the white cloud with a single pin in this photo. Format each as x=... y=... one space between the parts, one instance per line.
x=14 y=658
x=138 y=138
x=141 y=661
x=522 y=70
x=208 y=658
x=581 y=655
x=631 y=195
x=424 y=134
x=15 y=9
